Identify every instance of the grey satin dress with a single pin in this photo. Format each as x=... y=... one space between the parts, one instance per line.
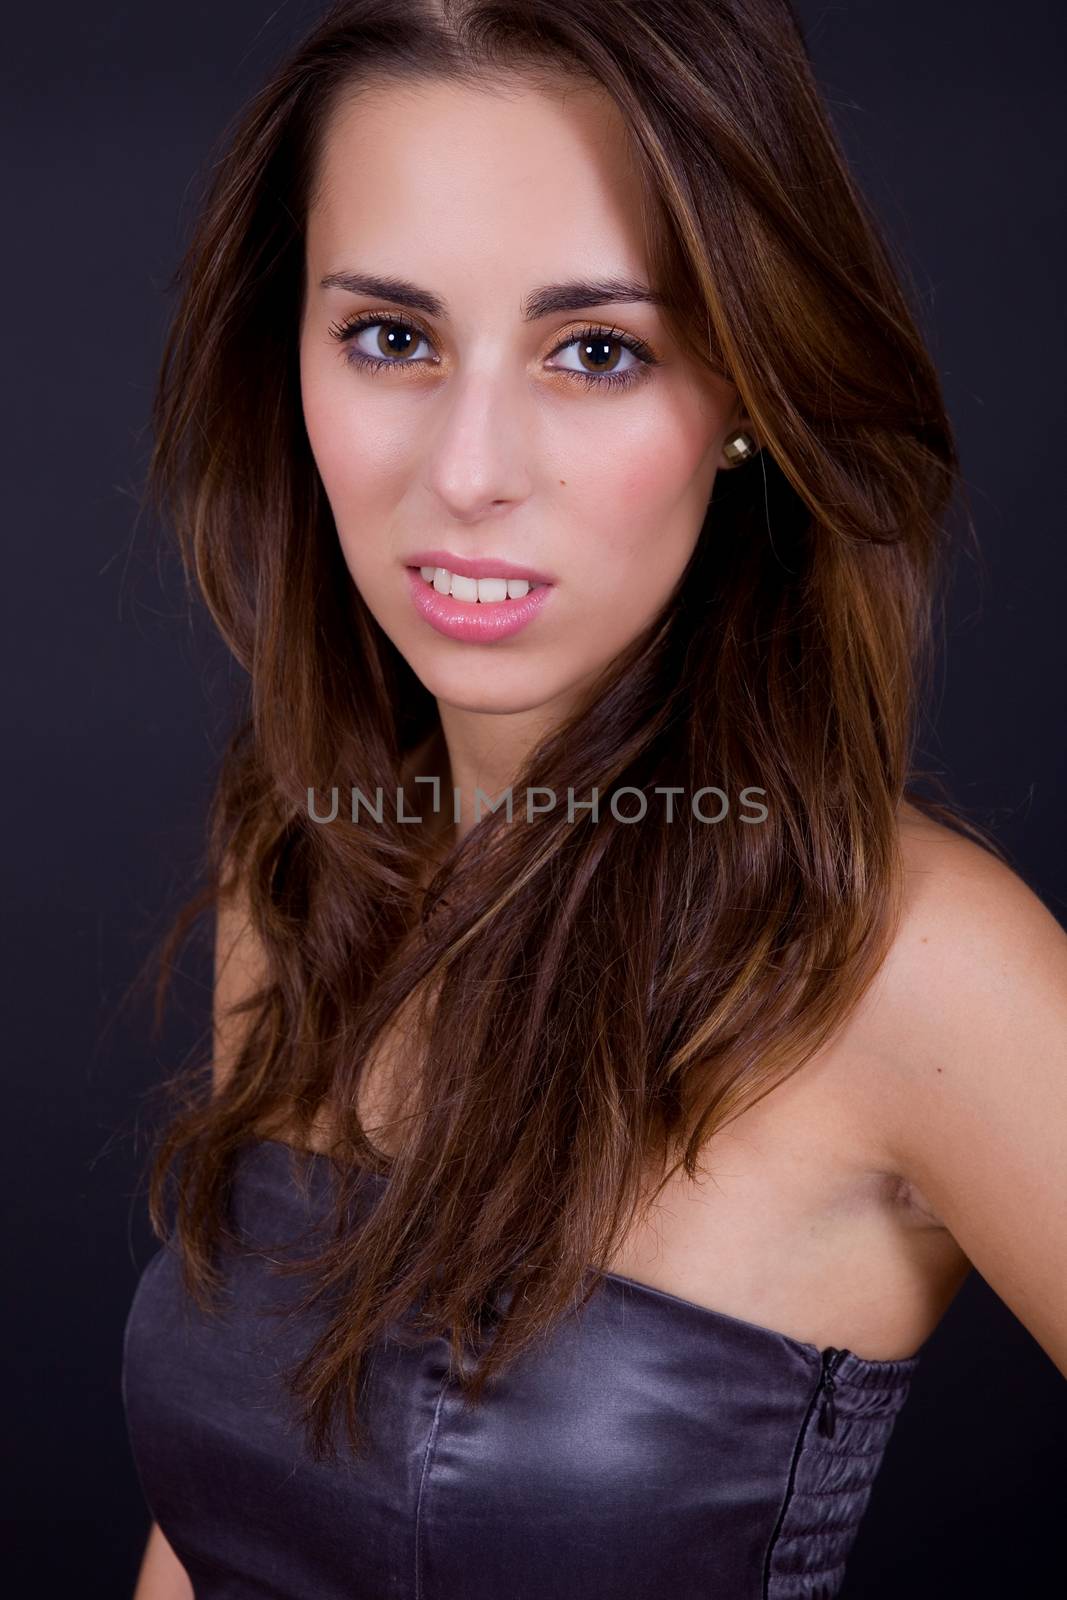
x=650 y=1449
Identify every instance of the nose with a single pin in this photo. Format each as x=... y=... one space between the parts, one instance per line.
x=479 y=446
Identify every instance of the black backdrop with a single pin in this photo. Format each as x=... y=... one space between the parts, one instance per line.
x=953 y=118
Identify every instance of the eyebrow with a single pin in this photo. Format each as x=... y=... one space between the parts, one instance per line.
x=547 y=301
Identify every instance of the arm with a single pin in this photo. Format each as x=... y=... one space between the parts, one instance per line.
x=239 y=969
x=976 y=1093
x=162 y=1576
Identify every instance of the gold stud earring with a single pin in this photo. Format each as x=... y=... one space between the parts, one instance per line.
x=738 y=447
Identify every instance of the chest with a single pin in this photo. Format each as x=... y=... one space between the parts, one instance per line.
x=644 y=1450
x=791 y=1222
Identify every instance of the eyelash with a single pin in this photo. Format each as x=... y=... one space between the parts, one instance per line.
x=345 y=330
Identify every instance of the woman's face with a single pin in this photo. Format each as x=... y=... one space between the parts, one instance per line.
x=570 y=438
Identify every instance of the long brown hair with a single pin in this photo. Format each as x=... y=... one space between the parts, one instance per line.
x=605 y=995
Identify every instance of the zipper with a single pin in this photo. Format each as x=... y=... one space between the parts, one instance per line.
x=831 y=1360
x=821 y=1401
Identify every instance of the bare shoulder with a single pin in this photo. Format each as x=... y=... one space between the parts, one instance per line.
x=970 y=928
x=974 y=941
x=975 y=980
x=966 y=1026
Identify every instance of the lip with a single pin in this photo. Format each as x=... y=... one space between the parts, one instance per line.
x=476 y=566
x=470 y=621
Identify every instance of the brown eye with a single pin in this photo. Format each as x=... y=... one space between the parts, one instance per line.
x=599 y=355
x=394 y=339
x=605 y=357
x=379 y=342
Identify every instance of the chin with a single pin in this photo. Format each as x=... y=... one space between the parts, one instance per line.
x=489 y=700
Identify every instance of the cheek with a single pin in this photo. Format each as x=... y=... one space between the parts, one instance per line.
x=640 y=495
x=359 y=482
x=359 y=463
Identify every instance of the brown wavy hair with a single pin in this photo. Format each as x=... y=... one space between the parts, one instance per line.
x=605 y=995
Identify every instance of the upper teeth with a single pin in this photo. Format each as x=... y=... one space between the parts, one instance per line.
x=483 y=589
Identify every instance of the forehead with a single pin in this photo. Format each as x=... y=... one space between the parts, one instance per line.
x=444 y=173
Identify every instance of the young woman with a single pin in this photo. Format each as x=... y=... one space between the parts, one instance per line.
x=579 y=1180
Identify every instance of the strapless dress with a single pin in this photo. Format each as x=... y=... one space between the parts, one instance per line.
x=648 y=1449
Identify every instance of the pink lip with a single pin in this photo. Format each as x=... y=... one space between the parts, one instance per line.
x=475 y=566
x=470 y=620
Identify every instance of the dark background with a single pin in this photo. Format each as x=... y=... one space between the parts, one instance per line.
x=952 y=115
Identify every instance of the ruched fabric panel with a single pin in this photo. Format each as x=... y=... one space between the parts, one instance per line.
x=832 y=1480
